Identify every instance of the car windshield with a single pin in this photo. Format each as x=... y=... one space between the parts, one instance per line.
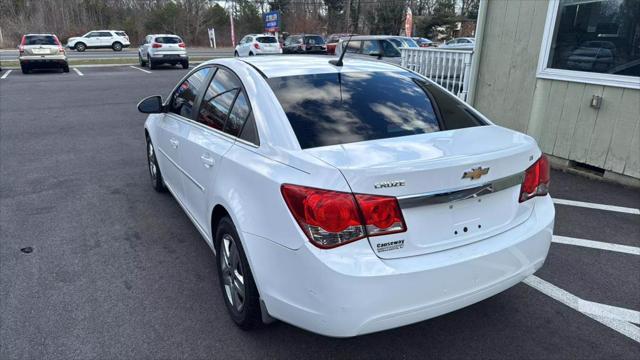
x=40 y=40
x=313 y=40
x=266 y=39
x=168 y=40
x=409 y=43
x=329 y=109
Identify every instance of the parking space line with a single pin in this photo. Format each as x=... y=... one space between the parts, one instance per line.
x=6 y=74
x=143 y=70
x=618 y=319
x=596 y=244
x=621 y=209
x=78 y=71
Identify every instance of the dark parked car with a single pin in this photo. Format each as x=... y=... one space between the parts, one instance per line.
x=304 y=44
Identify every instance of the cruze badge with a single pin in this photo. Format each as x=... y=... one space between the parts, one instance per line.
x=475 y=174
x=388 y=184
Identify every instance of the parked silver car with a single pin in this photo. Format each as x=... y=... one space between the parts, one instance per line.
x=163 y=49
x=37 y=51
x=381 y=47
x=460 y=43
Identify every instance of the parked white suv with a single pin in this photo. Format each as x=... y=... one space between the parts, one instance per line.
x=258 y=44
x=100 y=39
x=163 y=49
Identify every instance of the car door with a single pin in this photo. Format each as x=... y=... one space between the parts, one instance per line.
x=207 y=142
x=174 y=126
x=92 y=39
x=106 y=38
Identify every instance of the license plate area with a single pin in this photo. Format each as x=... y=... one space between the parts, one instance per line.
x=40 y=51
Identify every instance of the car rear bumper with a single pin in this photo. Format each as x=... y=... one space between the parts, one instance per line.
x=169 y=57
x=349 y=291
x=57 y=60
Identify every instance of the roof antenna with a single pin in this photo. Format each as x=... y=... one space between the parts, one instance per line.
x=344 y=51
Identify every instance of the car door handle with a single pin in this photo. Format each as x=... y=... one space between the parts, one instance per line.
x=174 y=143
x=207 y=160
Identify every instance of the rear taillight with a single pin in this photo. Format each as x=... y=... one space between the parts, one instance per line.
x=156 y=45
x=22 y=43
x=536 y=180
x=60 y=48
x=182 y=45
x=256 y=45
x=333 y=218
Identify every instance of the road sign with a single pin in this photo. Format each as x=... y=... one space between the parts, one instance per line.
x=272 y=21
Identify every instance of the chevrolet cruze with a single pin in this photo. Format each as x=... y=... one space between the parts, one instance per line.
x=347 y=198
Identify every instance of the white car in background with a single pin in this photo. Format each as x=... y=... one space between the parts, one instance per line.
x=258 y=44
x=347 y=199
x=459 y=43
x=163 y=49
x=100 y=39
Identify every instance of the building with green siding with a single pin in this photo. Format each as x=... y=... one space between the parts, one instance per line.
x=566 y=72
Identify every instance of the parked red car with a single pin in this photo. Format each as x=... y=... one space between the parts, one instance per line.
x=332 y=41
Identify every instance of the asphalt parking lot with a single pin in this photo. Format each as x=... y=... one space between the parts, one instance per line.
x=118 y=271
x=131 y=53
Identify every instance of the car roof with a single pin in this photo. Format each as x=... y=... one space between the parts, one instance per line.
x=164 y=35
x=373 y=37
x=40 y=34
x=292 y=65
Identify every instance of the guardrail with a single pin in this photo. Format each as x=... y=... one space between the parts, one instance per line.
x=451 y=68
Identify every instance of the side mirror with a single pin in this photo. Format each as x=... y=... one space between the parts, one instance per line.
x=378 y=54
x=151 y=105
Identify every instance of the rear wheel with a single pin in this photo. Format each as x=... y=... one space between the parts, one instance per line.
x=154 y=169
x=81 y=47
x=25 y=69
x=250 y=53
x=150 y=63
x=185 y=64
x=116 y=46
x=65 y=68
x=236 y=281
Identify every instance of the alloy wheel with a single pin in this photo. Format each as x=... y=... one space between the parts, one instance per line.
x=151 y=155
x=232 y=273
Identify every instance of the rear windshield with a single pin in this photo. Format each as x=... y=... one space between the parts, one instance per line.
x=266 y=40
x=168 y=40
x=330 y=109
x=40 y=40
x=313 y=40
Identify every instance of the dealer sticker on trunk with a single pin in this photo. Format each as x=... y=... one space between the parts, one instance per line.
x=391 y=245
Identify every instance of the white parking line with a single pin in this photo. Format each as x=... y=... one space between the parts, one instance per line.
x=597 y=206
x=6 y=74
x=596 y=245
x=143 y=70
x=616 y=318
x=78 y=72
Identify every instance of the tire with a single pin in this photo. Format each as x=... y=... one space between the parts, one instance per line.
x=150 y=63
x=250 y=53
x=185 y=64
x=142 y=62
x=25 y=69
x=234 y=274
x=65 y=68
x=80 y=47
x=116 y=46
x=154 y=169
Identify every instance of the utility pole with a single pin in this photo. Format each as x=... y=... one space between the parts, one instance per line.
x=348 y=17
x=233 y=32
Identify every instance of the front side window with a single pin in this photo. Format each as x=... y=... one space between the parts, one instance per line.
x=389 y=50
x=330 y=109
x=218 y=99
x=598 y=36
x=185 y=95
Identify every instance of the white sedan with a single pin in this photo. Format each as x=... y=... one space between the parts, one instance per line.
x=347 y=199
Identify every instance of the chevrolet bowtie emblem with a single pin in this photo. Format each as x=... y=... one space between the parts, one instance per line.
x=475 y=174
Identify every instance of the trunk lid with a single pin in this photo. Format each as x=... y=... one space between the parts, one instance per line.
x=442 y=209
x=41 y=50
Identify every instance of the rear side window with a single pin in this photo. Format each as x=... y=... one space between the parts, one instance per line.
x=370 y=47
x=168 y=40
x=218 y=99
x=186 y=94
x=454 y=114
x=238 y=115
x=389 y=50
x=352 y=46
x=40 y=40
x=121 y=33
x=329 y=109
x=266 y=40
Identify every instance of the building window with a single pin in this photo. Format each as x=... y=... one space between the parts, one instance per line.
x=592 y=41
